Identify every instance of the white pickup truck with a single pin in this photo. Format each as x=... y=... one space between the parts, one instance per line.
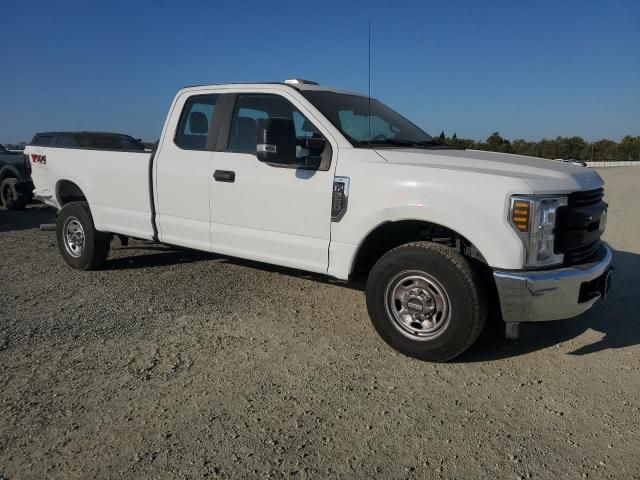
x=319 y=179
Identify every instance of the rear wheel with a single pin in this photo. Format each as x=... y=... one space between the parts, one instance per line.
x=11 y=198
x=425 y=300
x=80 y=244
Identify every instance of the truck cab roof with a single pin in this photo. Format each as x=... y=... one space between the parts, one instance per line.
x=295 y=83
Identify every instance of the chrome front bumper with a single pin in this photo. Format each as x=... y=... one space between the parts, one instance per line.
x=535 y=296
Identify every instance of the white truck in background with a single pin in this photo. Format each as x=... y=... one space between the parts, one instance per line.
x=318 y=179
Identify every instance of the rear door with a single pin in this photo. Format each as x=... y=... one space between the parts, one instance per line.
x=280 y=215
x=182 y=172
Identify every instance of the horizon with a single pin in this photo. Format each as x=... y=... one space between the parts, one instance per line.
x=434 y=135
x=530 y=72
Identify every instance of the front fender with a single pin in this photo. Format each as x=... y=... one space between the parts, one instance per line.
x=472 y=204
x=498 y=246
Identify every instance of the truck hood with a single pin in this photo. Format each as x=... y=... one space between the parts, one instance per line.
x=544 y=176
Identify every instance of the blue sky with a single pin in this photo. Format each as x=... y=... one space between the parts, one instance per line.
x=527 y=69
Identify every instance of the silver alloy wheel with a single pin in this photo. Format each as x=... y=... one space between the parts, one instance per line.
x=74 y=239
x=418 y=305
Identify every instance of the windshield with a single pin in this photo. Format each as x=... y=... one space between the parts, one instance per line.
x=368 y=123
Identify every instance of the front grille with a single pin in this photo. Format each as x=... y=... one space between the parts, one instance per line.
x=587 y=198
x=578 y=226
x=582 y=253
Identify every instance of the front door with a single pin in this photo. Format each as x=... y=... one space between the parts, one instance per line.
x=278 y=215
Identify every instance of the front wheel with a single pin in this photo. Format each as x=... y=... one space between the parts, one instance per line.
x=425 y=301
x=80 y=244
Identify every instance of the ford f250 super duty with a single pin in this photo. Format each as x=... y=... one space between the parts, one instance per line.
x=323 y=180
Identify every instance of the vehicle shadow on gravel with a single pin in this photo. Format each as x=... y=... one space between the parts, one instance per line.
x=31 y=217
x=617 y=320
x=161 y=256
x=165 y=255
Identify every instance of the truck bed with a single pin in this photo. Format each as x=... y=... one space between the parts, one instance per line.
x=101 y=173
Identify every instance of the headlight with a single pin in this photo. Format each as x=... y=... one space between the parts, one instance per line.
x=534 y=218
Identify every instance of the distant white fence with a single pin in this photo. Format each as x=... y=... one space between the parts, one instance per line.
x=612 y=164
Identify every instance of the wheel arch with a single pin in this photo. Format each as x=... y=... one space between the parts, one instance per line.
x=68 y=191
x=8 y=171
x=390 y=234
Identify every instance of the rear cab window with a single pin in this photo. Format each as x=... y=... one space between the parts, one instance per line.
x=195 y=122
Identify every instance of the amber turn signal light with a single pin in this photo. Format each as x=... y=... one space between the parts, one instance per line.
x=520 y=214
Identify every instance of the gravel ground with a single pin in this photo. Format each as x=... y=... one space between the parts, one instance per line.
x=178 y=364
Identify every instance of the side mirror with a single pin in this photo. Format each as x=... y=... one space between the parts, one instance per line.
x=276 y=141
x=316 y=145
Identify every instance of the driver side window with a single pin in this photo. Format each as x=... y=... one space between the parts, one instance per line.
x=252 y=109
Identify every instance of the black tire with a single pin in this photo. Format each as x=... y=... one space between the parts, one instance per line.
x=11 y=198
x=437 y=277
x=90 y=252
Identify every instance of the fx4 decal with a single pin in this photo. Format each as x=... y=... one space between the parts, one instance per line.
x=39 y=158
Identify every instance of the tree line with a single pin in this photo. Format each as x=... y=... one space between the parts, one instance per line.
x=628 y=148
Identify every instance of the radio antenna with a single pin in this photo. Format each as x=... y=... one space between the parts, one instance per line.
x=369 y=115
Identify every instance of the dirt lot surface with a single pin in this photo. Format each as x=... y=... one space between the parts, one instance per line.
x=178 y=364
